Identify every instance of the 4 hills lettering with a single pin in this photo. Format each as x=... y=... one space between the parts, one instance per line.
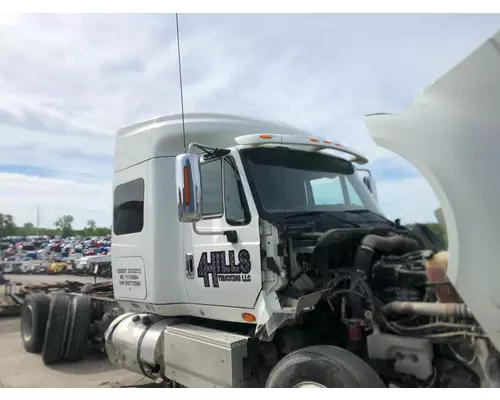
x=223 y=270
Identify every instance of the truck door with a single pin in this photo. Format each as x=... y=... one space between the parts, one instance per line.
x=225 y=270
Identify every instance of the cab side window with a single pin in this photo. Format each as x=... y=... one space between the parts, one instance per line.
x=231 y=202
x=128 y=210
x=236 y=208
x=354 y=198
x=211 y=176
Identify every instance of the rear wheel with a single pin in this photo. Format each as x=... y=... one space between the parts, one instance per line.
x=54 y=343
x=78 y=327
x=323 y=367
x=34 y=317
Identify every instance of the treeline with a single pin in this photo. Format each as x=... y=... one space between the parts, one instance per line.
x=63 y=226
x=436 y=228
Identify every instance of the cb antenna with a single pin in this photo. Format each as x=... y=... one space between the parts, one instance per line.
x=180 y=80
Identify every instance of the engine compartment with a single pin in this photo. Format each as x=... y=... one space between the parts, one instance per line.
x=383 y=295
x=393 y=305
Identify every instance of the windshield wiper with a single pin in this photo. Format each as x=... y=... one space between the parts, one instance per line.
x=303 y=214
x=359 y=211
x=306 y=213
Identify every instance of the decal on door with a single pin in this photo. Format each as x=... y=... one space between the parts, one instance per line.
x=223 y=270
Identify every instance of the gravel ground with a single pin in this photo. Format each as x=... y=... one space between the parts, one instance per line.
x=19 y=369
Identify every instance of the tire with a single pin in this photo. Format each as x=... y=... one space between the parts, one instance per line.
x=54 y=343
x=79 y=315
x=323 y=366
x=34 y=316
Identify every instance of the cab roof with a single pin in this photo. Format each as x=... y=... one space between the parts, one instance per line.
x=163 y=136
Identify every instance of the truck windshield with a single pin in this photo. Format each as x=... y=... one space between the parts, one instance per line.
x=290 y=181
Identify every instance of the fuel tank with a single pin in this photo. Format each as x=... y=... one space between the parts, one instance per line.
x=135 y=342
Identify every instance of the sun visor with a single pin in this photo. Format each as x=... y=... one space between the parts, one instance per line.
x=451 y=134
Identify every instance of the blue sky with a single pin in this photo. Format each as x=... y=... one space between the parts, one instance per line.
x=70 y=81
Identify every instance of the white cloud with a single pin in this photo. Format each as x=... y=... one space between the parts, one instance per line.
x=8 y=19
x=410 y=199
x=21 y=195
x=69 y=81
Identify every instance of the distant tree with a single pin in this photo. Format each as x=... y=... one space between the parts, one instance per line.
x=102 y=231
x=64 y=226
x=7 y=226
x=26 y=230
x=438 y=230
x=65 y=223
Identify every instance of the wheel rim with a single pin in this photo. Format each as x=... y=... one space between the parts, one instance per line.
x=27 y=322
x=308 y=385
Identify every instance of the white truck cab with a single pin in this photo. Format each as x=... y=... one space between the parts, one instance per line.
x=197 y=232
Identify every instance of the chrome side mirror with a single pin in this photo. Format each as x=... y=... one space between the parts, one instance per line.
x=188 y=187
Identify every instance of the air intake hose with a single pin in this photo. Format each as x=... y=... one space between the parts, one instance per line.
x=383 y=245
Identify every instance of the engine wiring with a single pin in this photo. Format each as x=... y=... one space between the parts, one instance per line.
x=461 y=358
x=381 y=289
x=434 y=331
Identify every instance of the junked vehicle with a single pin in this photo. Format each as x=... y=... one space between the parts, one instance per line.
x=255 y=275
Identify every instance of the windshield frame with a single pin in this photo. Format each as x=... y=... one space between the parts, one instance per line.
x=349 y=171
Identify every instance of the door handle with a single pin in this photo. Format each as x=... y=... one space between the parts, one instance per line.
x=189 y=266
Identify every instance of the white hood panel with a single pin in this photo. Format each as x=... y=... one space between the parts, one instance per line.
x=451 y=134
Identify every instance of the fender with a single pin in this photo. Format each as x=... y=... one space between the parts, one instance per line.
x=451 y=134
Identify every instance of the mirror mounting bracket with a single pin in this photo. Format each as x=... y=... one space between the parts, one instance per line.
x=231 y=235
